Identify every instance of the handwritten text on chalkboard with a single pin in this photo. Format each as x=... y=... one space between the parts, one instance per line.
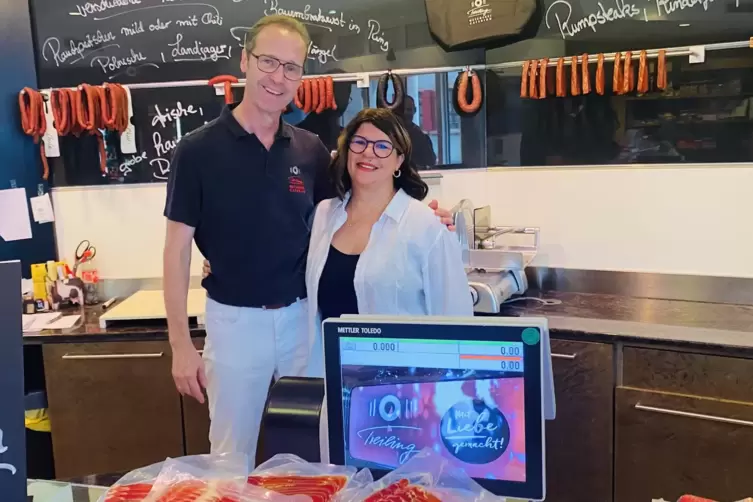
x=3 y=449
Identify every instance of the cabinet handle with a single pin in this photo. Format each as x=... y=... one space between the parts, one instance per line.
x=687 y=414
x=155 y=355
x=563 y=356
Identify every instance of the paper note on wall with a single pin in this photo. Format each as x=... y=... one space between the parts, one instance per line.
x=15 y=224
x=41 y=208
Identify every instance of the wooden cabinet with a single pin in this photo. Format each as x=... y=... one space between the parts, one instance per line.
x=579 y=440
x=196 y=420
x=113 y=406
x=668 y=444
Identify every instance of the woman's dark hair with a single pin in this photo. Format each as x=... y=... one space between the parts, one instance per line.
x=387 y=122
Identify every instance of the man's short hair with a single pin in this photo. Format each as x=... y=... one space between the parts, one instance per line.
x=287 y=22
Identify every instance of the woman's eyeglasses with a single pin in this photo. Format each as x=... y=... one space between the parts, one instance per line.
x=268 y=64
x=382 y=148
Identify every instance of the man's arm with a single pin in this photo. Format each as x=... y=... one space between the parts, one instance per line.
x=183 y=211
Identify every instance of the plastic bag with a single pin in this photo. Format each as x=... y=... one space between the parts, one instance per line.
x=291 y=475
x=144 y=484
x=427 y=477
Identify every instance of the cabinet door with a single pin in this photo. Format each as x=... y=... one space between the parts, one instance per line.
x=196 y=419
x=113 y=406
x=667 y=445
x=579 y=440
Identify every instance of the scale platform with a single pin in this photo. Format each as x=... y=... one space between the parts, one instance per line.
x=146 y=305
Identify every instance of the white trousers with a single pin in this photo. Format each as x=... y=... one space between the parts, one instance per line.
x=245 y=348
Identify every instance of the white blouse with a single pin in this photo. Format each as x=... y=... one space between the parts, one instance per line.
x=412 y=265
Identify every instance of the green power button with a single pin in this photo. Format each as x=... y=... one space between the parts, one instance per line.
x=531 y=336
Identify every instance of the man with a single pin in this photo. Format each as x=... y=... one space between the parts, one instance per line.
x=244 y=187
x=423 y=148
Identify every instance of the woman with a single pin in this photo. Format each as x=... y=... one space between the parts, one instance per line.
x=376 y=248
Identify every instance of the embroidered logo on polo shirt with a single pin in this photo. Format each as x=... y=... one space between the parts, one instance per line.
x=295 y=182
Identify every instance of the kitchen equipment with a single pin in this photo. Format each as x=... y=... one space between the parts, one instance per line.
x=496 y=271
x=149 y=305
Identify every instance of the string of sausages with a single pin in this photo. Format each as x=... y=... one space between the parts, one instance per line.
x=316 y=95
x=85 y=109
x=33 y=121
x=535 y=82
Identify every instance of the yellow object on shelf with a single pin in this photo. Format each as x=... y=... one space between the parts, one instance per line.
x=37 y=420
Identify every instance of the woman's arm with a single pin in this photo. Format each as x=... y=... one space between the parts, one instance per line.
x=445 y=282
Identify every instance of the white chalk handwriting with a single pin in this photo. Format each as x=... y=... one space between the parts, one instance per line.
x=162 y=168
x=5 y=467
x=377 y=35
x=163 y=148
x=165 y=5
x=110 y=64
x=197 y=52
x=321 y=54
x=666 y=7
x=562 y=11
x=162 y=117
x=88 y=8
x=126 y=167
x=309 y=15
x=78 y=49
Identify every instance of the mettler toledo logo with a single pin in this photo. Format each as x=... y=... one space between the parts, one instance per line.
x=475 y=433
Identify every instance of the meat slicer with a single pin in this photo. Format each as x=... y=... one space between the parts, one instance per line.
x=495 y=257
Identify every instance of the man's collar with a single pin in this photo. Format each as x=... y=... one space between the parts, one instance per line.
x=284 y=130
x=394 y=210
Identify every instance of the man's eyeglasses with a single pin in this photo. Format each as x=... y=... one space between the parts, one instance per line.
x=269 y=64
x=382 y=147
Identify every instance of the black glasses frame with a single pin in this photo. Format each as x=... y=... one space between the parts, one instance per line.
x=285 y=66
x=368 y=142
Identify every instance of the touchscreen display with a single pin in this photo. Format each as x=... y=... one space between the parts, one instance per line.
x=463 y=399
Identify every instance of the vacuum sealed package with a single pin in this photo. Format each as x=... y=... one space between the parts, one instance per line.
x=291 y=475
x=205 y=478
x=426 y=477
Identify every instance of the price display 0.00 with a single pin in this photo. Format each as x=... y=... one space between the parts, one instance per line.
x=511 y=351
x=510 y=365
x=385 y=346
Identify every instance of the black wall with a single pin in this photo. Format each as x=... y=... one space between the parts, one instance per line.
x=19 y=156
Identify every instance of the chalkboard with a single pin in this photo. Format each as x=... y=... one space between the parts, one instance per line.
x=131 y=41
x=12 y=431
x=609 y=25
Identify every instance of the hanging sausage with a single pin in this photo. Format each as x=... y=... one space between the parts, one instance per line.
x=228 y=81
x=524 y=79
x=89 y=104
x=600 y=75
x=542 y=77
x=585 y=78
x=561 y=88
x=467 y=93
x=33 y=121
x=399 y=93
x=643 y=73
x=617 y=74
x=661 y=70
x=628 y=80
x=574 y=87
x=532 y=74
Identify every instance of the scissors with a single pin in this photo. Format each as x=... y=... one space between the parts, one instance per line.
x=84 y=252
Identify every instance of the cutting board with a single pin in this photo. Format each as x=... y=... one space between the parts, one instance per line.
x=150 y=304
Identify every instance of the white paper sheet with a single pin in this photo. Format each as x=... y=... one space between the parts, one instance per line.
x=41 y=208
x=15 y=224
x=38 y=322
x=63 y=323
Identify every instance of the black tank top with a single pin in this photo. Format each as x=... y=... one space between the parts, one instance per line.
x=337 y=294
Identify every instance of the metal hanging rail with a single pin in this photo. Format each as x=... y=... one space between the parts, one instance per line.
x=362 y=79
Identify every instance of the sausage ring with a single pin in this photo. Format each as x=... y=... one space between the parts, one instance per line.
x=228 y=80
x=397 y=85
x=467 y=99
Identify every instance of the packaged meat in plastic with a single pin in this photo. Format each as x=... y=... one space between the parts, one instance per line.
x=147 y=483
x=427 y=477
x=291 y=475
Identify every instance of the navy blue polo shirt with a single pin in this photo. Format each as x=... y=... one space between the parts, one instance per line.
x=252 y=208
